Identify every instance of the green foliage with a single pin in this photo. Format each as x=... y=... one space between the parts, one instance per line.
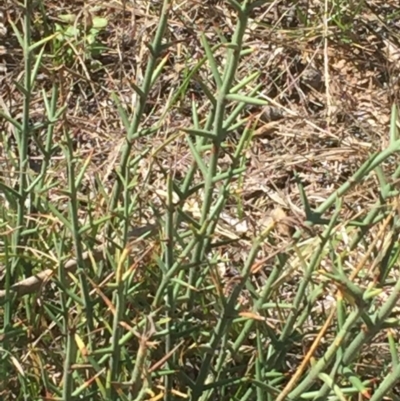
x=78 y=36
x=98 y=307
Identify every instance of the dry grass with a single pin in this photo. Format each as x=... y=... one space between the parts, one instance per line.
x=321 y=126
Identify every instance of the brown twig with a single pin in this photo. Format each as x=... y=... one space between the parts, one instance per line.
x=34 y=283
